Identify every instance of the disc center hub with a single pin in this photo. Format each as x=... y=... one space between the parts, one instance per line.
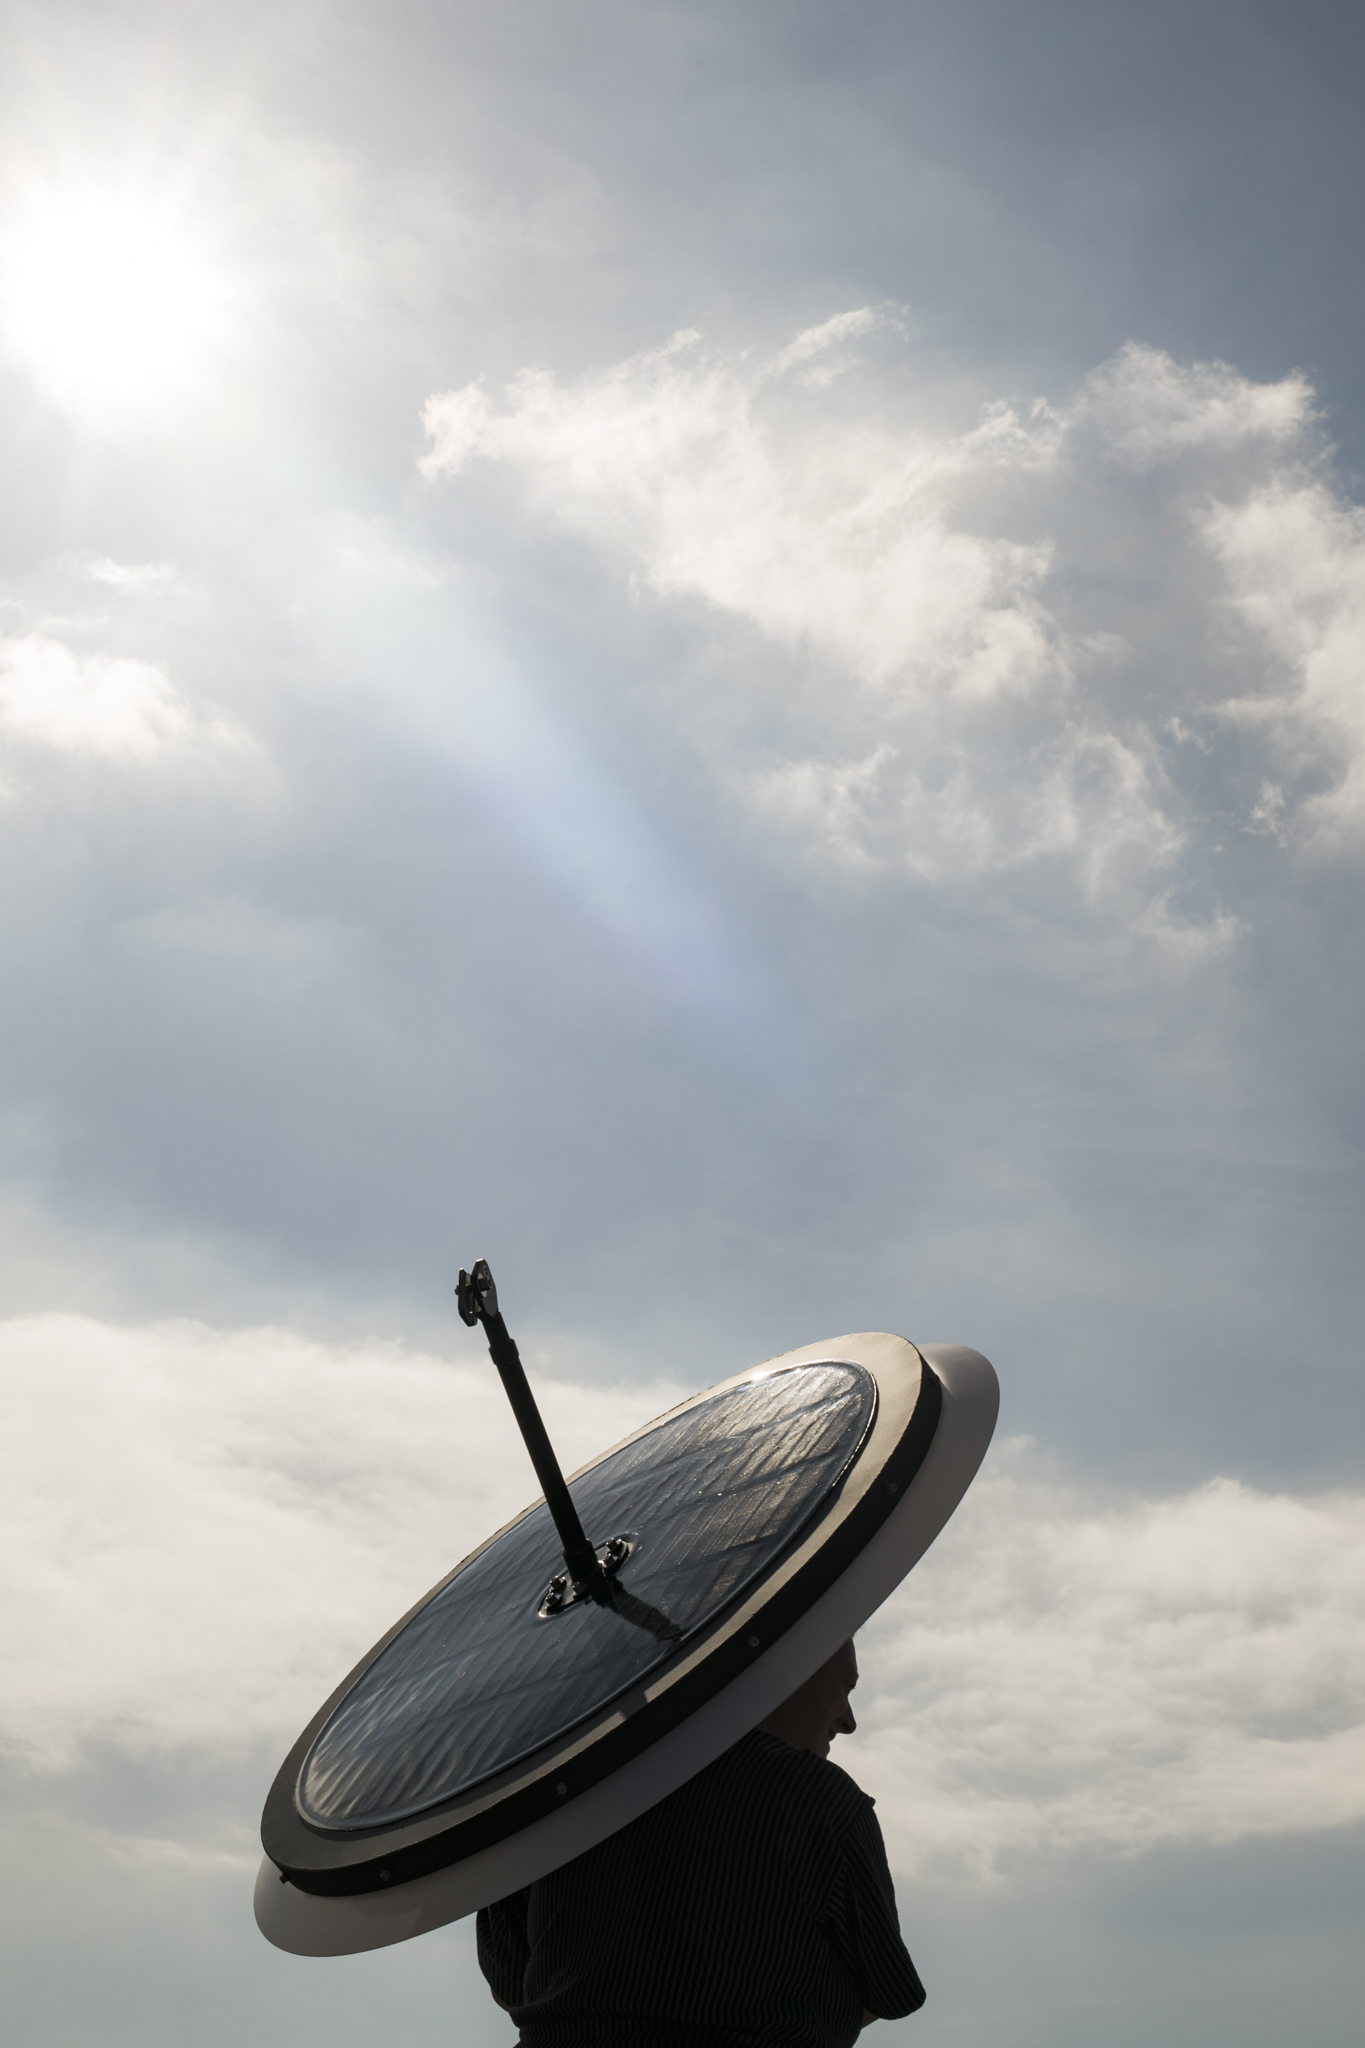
x=564 y=1591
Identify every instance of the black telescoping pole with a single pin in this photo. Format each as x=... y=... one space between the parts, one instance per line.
x=478 y=1302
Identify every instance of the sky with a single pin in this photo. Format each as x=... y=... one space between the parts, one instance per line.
x=719 y=653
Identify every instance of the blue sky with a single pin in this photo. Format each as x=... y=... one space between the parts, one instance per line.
x=716 y=652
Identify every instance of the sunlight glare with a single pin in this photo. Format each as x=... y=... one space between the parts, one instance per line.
x=106 y=298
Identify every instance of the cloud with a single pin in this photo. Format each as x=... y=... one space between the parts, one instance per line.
x=203 y=1529
x=1148 y=408
x=815 y=354
x=101 y=704
x=1294 y=557
x=133 y=577
x=1091 y=795
x=697 y=467
x=1065 y=1673
x=1005 y=642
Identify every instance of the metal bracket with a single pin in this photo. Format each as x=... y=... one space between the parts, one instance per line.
x=562 y=1593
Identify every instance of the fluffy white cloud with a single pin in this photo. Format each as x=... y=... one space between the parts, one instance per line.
x=132 y=577
x=1091 y=796
x=102 y=704
x=201 y=1531
x=1002 y=640
x=701 y=470
x=1294 y=555
x=1148 y=408
x=1064 y=1672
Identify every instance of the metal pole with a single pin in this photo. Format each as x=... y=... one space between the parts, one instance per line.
x=478 y=1302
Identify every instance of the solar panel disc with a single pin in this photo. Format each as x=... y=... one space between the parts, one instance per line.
x=503 y=1725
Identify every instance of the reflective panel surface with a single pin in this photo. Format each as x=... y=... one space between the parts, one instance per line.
x=478 y=1680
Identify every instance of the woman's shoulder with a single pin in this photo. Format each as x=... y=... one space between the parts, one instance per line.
x=818 y=1785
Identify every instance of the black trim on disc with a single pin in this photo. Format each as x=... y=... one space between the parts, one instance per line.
x=331 y=1863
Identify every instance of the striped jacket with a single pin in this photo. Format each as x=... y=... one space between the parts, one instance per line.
x=752 y=1908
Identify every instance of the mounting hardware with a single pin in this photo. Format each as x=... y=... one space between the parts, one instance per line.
x=563 y=1592
x=476 y=1296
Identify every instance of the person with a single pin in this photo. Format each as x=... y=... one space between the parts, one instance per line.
x=751 y=1908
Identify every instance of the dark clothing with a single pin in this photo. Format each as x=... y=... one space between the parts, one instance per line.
x=752 y=1908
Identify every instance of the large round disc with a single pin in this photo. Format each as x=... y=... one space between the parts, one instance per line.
x=495 y=1732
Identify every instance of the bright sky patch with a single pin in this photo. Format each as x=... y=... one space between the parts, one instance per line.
x=107 y=298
